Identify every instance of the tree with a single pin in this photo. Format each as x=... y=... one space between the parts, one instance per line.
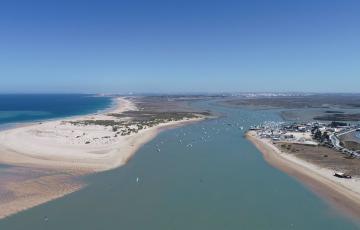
x=314 y=129
x=325 y=136
x=318 y=135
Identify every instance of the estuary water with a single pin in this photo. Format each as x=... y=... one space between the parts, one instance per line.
x=206 y=176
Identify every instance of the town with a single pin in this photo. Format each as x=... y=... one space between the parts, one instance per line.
x=332 y=135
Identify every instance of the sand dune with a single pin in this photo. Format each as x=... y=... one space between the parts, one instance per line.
x=60 y=146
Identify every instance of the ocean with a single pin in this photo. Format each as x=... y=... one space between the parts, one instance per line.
x=220 y=182
x=18 y=108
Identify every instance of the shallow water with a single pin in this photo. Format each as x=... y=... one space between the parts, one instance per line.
x=221 y=182
x=304 y=115
x=2 y=166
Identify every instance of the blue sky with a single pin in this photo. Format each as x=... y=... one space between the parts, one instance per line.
x=179 y=46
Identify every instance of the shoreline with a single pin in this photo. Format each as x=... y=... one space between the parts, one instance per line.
x=60 y=165
x=342 y=194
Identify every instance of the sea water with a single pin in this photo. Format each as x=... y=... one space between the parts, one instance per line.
x=18 y=108
x=220 y=181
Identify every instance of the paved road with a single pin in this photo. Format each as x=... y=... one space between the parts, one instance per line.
x=336 y=142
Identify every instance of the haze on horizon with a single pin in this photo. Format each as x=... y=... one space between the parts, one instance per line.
x=179 y=46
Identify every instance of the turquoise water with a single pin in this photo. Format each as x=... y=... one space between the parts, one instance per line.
x=2 y=166
x=15 y=108
x=221 y=182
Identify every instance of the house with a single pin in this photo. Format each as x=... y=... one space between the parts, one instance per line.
x=288 y=136
x=301 y=128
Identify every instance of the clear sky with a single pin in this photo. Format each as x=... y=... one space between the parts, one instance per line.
x=179 y=46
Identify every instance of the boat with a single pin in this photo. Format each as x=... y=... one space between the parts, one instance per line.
x=342 y=175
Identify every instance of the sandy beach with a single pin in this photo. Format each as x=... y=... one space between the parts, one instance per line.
x=47 y=159
x=344 y=194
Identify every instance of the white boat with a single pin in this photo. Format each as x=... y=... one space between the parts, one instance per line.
x=342 y=175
